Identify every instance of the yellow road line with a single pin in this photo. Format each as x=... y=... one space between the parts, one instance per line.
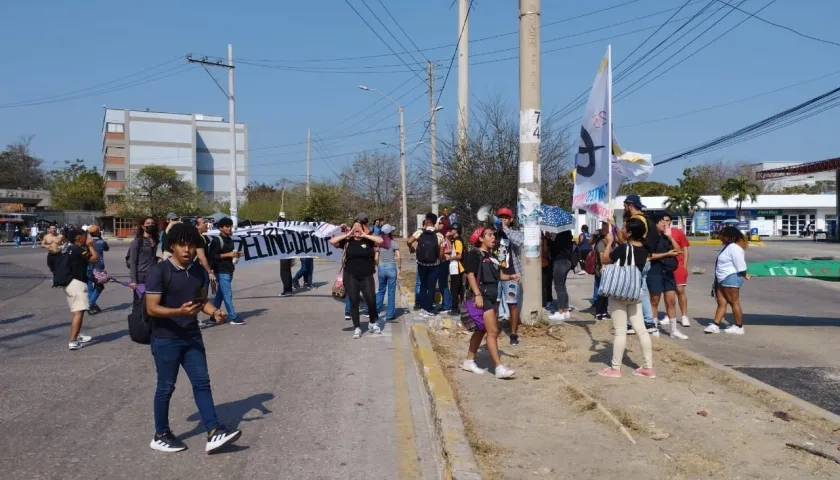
x=404 y=423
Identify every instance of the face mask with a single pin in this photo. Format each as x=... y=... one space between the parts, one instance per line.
x=151 y=229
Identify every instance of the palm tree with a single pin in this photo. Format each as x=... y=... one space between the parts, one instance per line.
x=739 y=189
x=684 y=204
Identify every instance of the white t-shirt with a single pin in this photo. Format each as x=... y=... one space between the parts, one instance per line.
x=731 y=260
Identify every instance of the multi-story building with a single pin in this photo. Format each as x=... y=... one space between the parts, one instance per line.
x=196 y=146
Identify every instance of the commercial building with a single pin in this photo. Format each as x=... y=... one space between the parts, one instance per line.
x=196 y=146
x=797 y=175
x=772 y=215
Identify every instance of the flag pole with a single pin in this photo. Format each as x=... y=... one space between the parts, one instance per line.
x=609 y=127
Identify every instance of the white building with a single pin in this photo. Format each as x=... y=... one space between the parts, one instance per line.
x=196 y=146
x=778 y=184
x=774 y=215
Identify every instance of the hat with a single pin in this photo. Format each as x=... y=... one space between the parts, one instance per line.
x=171 y=216
x=477 y=233
x=504 y=212
x=282 y=214
x=362 y=217
x=635 y=201
x=93 y=229
x=387 y=228
x=456 y=226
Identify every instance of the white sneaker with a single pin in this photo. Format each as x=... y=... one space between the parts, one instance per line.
x=504 y=372
x=685 y=322
x=654 y=332
x=567 y=316
x=582 y=272
x=734 y=329
x=676 y=333
x=556 y=317
x=84 y=338
x=630 y=331
x=74 y=346
x=712 y=328
x=470 y=366
x=357 y=333
x=665 y=321
x=374 y=328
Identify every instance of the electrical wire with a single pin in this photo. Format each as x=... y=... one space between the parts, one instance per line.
x=402 y=30
x=783 y=27
x=653 y=34
x=364 y=2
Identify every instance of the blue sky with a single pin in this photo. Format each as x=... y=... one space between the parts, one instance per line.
x=85 y=44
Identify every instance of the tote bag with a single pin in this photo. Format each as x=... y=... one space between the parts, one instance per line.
x=622 y=281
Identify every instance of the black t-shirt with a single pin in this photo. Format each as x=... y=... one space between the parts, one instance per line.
x=79 y=262
x=185 y=284
x=359 y=256
x=639 y=255
x=561 y=247
x=223 y=265
x=486 y=270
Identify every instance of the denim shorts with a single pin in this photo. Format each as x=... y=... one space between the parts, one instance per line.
x=732 y=281
x=509 y=292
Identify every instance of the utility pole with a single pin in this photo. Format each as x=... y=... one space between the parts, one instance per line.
x=308 y=159
x=463 y=76
x=433 y=138
x=234 y=199
x=402 y=176
x=283 y=195
x=529 y=158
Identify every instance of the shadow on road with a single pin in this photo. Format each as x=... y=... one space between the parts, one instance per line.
x=16 y=319
x=232 y=414
x=778 y=320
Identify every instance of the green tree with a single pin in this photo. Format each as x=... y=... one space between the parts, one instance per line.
x=264 y=201
x=739 y=189
x=817 y=188
x=646 y=189
x=156 y=190
x=77 y=187
x=325 y=203
x=20 y=169
x=684 y=204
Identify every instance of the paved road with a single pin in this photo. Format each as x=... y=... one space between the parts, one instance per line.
x=792 y=324
x=312 y=402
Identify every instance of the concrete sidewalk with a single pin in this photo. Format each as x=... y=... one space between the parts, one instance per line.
x=312 y=402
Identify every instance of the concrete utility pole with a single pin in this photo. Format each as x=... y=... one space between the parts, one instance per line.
x=433 y=138
x=234 y=199
x=402 y=176
x=529 y=157
x=463 y=76
x=308 y=160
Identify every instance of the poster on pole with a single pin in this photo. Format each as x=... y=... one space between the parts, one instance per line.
x=701 y=223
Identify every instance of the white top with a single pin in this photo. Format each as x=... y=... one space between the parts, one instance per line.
x=730 y=260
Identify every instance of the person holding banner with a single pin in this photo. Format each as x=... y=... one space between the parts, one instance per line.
x=223 y=263
x=359 y=268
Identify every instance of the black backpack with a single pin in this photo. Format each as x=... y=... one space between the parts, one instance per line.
x=428 y=250
x=139 y=320
x=138 y=247
x=63 y=272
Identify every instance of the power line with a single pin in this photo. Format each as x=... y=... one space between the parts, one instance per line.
x=380 y=37
x=364 y=2
x=653 y=34
x=784 y=27
x=403 y=31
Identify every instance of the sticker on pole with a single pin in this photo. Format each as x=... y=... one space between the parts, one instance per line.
x=529 y=126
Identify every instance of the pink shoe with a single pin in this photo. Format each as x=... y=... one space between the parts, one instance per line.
x=610 y=372
x=644 y=372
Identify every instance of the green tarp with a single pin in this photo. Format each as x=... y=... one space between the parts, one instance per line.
x=822 y=269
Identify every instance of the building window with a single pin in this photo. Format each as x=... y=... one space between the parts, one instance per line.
x=114 y=176
x=116 y=127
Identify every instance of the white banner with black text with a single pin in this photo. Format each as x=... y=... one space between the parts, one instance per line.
x=284 y=240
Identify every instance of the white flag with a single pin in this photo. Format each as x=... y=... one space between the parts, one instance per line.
x=592 y=161
x=629 y=166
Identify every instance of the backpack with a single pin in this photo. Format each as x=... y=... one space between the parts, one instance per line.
x=428 y=250
x=128 y=253
x=139 y=320
x=63 y=273
x=589 y=263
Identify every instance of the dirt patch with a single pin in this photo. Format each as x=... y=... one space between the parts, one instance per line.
x=690 y=422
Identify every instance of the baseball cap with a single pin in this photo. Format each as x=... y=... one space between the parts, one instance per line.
x=387 y=228
x=634 y=200
x=93 y=229
x=171 y=216
x=504 y=212
x=362 y=217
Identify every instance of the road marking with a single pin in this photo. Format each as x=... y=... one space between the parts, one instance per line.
x=404 y=423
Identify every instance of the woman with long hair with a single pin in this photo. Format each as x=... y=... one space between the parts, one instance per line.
x=730 y=273
x=456 y=267
x=622 y=310
x=483 y=277
x=359 y=268
x=389 y=266
x=142 y=252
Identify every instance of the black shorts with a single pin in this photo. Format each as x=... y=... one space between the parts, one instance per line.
x=52 y=258
x=661 y=281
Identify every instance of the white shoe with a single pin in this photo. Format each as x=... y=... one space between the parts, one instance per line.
x=734 y=329
x=74 y=346
x=470 y=366
x=712 y=328
x=665 y=321
x=676 y=333
x=567 y=316
x=84 y=338
x=357 y=333
x=654 y=332
x=630 y=331
x=504 y=372
x=374 y=328
x=685 y=322
x=582 y=272
x=556 y=317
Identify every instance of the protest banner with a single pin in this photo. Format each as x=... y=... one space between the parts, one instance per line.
x=284 y=240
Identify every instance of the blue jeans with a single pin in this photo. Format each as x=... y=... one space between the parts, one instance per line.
x=170 y=355
x=647 y=312
x=307 y=267
x=17 y=242
x=362 y=307
x=387 y=281
x=94 y=291
x=224 y=294
x=595 y=287
x=443 y=284
x=427 y=276
x=417 y=290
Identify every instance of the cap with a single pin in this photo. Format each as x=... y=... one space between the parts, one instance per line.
x=634 y=200
x=171 y=216
x=476 y=235
x=362 y=217
x=456 y=226
x=387 y=228
x=93 y=229
x=282 y=214
x=504 y=212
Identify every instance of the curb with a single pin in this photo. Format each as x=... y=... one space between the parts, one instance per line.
x=457 y=454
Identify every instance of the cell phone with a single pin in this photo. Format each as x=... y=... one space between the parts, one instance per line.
x=198 y=301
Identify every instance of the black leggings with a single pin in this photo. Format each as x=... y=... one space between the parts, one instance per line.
x=354 y=286
x=547 y=280
x=455 y=290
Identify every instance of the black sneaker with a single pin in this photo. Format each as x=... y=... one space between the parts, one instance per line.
x=236 y=321
x=286 y=294
x=296 y=286
x=514 y=339
x=220 y=437
x=94 y=309
x=415 y=307
x=168 y=443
